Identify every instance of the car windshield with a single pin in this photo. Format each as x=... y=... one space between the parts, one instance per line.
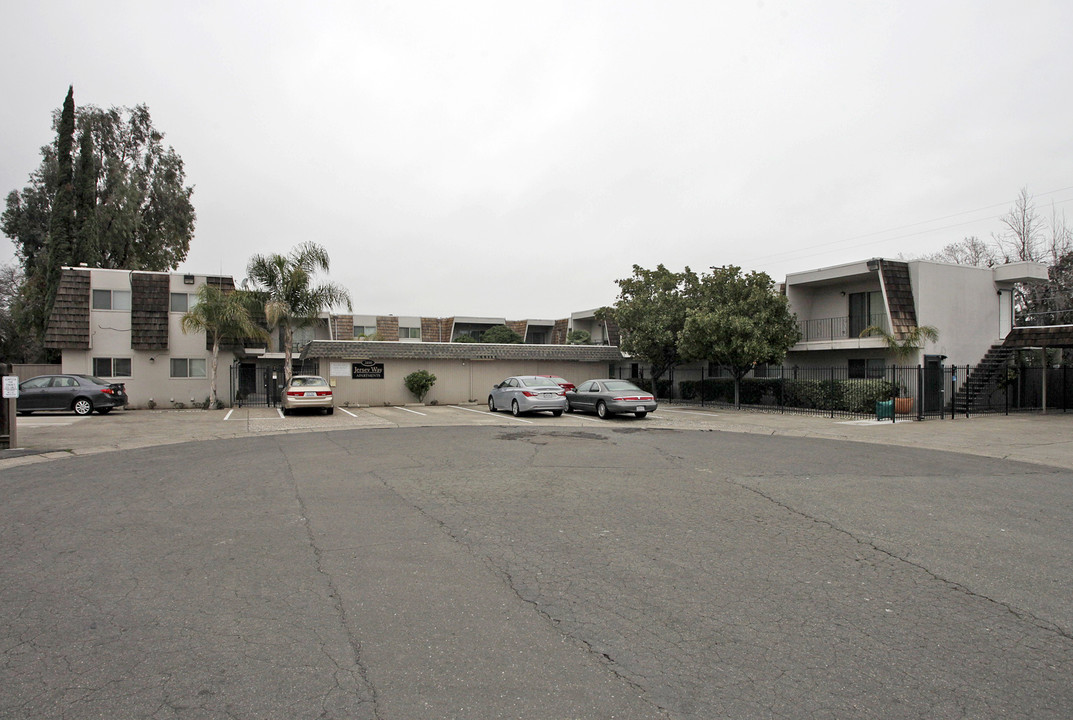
x=621 y=385
x=538 y=382
x=307 y=381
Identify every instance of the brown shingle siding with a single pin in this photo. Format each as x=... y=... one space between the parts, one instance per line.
x=899 y=290
x=68 y=325
x=150 y=295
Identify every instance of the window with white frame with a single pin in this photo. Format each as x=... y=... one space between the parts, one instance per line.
x=188 y=368
x=181 y=302
x=111 y=299
x=364 y=330
x=409 y=333
x=111 y=367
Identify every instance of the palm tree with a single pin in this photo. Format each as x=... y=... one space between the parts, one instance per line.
x=291 y=299
x=911 y=340
x=220 y=314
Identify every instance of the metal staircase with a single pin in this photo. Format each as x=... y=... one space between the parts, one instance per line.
x=983 y=379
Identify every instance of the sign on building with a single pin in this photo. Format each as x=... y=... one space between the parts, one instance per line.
x=367 y=370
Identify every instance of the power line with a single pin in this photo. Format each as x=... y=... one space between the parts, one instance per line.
x=811 y=248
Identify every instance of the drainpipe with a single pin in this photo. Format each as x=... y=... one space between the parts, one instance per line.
x=1044 y=380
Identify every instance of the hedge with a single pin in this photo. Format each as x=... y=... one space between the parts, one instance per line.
x=855 y=396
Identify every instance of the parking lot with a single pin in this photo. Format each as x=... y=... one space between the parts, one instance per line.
x=446 y=562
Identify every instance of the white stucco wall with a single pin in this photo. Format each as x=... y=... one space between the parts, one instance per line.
x=457 y=381
x=962 y=303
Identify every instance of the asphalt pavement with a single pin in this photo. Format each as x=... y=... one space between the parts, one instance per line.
x=444 y=562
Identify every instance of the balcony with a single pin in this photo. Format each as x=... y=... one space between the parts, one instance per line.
x=837 y=328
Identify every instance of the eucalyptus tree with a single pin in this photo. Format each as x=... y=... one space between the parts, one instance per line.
x=291 y=298
x=221 y=315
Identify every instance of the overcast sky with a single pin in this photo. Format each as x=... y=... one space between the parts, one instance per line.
x=514 y=159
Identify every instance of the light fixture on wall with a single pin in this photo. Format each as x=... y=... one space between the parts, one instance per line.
x=152 y=358
x=843 y=293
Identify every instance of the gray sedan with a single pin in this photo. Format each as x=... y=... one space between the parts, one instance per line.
x=527 y=393
x=609 y=397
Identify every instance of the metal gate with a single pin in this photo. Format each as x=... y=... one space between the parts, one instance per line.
x=254 y=385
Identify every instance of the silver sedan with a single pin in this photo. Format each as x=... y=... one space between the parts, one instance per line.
x=610 y=397
x=527 y=393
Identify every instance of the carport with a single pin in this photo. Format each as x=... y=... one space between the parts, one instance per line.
x=373 y=373
x=1044 y=337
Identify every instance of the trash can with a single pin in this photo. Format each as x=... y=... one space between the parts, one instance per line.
x=885 y=410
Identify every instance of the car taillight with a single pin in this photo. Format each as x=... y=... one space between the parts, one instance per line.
x=107 y=391
x=324 y=393
x=635 y=398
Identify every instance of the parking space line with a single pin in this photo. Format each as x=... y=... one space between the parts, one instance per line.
x=348 y=412
x=485 y=412
x=691 y=412
x=228 y=415
x=409 y=410
x=280 y=411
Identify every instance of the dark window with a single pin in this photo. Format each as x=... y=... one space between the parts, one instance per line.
x=112 y=367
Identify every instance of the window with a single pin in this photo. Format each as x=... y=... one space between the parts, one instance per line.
x=181 y=302
x=870 y=368
x=111 y=299
x=364 y=330
x=188 y=368
x=407 y=333
x=111 y=367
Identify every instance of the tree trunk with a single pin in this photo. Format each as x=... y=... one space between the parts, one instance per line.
x=212 y=377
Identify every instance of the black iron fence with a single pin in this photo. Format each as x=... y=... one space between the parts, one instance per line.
x=887 y=393
x=255 y=385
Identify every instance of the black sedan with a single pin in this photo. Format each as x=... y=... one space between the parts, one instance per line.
x=610 y=397
x=79 y=393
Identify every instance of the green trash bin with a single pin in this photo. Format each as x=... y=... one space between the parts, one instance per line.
x=885 y=410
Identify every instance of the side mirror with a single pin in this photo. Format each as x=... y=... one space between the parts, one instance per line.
x=496 y=386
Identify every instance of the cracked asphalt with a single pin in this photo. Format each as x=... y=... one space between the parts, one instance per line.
x=598 y=571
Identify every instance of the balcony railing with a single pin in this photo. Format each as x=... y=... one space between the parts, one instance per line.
x=837 y=328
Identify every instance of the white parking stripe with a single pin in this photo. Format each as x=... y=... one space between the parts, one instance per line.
x=409 y=410
x=280 y=411
x=690 y=412
x=348 y=412
x=485 y=412
x=228 y=415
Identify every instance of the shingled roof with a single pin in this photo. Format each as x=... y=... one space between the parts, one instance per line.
x=373 y=350
x=1052 y=336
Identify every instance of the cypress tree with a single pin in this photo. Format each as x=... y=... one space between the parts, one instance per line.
x=61 y=240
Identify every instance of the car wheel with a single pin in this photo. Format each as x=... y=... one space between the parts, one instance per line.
x=331 y=411
x=641 y=414
x=556 y=413
x=285 y=411
x=570 y=408
x=491 y=404
x=515 y=410
x=104 y=411
x=601 y=409
x=82 y=406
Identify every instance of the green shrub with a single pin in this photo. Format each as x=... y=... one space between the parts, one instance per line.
x=419 y=383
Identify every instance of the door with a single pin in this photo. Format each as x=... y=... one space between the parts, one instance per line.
x=62 y=393
x=33 y=394
x=933 y=383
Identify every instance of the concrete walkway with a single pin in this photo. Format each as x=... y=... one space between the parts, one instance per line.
x=1045 y=439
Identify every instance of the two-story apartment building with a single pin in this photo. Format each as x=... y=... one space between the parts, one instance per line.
x=972 y=308
x=126 y=326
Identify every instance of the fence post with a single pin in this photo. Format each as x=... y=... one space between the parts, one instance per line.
x=920 y=392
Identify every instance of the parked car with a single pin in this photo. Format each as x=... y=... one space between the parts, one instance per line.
x=307 y=391
x=527 y=393
x=561 y=382
x=80 y=393
x=609 y=397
